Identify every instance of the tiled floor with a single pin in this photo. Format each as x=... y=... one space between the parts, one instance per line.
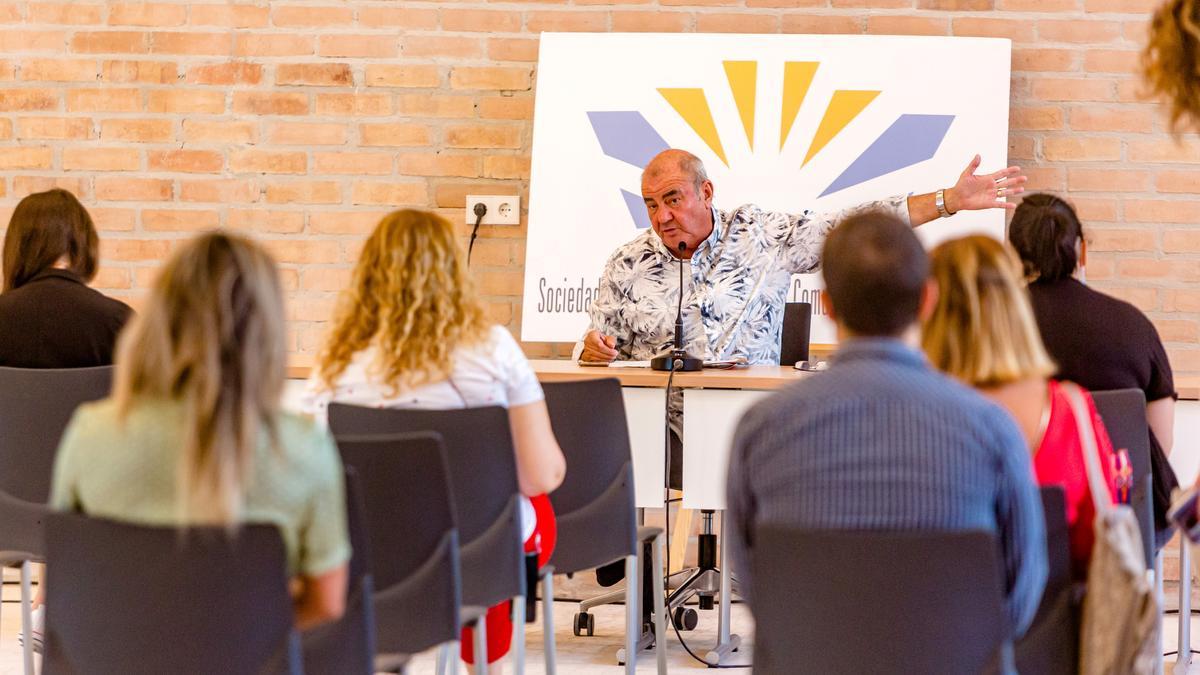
x=583 y=656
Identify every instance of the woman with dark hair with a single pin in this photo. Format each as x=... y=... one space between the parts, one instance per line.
x=49 y=318
x=1098 y=341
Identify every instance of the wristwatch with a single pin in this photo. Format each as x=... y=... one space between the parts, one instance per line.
x=939 y=200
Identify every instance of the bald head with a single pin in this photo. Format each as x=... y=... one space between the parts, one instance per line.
x=672 y=161
x=678 y=198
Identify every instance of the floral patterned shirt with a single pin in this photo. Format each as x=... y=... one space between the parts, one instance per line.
x=735 y=284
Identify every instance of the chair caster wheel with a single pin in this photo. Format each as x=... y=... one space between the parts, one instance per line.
x=584 y=624
x=685 y=618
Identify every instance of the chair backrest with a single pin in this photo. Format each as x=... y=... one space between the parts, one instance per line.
x=347 y=646
x=793 y=341
x=876 y=602
x=134 y=599
x=1124 y=414
x=412 y=547
x=22 y=530
x=594 y=507
x=1051 y=644
x=35 y=406
x=483 y=470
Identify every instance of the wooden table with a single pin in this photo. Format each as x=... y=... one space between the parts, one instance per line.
x=713 y=403
x=754 y=377
x=748 y=377
x=719 y=397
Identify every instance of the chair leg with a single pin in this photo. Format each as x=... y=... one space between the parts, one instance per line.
x=27 y=615
x=660 y=610
x=447 y=659
x=633 y=614
x=518 y=636
x=548 y=645
x=1185 y=607
x=481 y=653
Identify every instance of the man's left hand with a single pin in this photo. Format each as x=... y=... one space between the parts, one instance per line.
x=989 y=191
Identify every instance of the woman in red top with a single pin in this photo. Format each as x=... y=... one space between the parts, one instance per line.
x=983 y=332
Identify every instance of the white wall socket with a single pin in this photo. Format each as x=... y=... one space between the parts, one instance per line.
x=501 y=209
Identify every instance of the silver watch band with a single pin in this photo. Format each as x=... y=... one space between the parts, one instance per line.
x=939 y=200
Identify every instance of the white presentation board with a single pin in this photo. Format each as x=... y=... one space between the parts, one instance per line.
x=788 y=122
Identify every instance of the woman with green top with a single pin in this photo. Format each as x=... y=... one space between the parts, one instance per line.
x=193 y=433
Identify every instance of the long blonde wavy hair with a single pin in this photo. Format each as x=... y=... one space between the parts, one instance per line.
x=412 y=297
x=982 y=330
x=1171 y=61
x=211 y=336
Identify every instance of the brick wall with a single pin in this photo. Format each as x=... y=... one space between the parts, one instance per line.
x=303 y=122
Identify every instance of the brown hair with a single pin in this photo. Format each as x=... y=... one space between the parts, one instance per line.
x=875 y=271
x=1046 y=232
x=1171 y=61
x=412 y=297
x=982 y=330
x=212 y=337
x=45 y=227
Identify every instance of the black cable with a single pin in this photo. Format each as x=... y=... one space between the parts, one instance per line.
x=670 y=616
x=667 y=479
x=480 y=210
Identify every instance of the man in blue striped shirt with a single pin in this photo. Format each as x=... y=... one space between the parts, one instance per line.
x=881 y=441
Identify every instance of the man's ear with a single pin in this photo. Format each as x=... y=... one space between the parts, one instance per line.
x=827 y=304
x=706 y=192
x=929 y=300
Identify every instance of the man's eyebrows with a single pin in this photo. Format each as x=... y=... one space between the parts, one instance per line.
x=667 y=195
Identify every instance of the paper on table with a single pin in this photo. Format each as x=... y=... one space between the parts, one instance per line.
x=616 y=364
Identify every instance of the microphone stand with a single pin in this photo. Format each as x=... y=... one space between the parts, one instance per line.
x=678 y=359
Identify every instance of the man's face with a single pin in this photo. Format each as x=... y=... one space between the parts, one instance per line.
x=678 y=210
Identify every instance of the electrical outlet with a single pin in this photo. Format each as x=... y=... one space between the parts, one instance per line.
x=501 y=209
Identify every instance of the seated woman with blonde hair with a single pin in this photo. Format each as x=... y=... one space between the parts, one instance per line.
x=411 y=333
x=194 y=434
x=983 y=333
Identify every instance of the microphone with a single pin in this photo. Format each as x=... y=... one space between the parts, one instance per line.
x=678 y=359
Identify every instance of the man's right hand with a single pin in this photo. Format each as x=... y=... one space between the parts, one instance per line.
x=598 y=348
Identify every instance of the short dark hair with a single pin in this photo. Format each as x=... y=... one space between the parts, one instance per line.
x=44 y=227
x=875 y=270
x=1045 y=232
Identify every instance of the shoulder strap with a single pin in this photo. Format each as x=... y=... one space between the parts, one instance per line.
x=1091 y=452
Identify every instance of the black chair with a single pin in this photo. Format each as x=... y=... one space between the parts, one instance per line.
x=134 y=599
x=1051 y=644
x=1124 y=414
x=877 y=602
x=411 y=543
x=597 y=516
x=22 y=539
x=35 y=407
x=347 y=646
x=793 y=341
x=482 y=464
